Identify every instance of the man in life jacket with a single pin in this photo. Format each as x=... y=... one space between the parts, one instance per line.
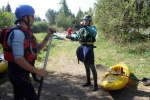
x=85 y=53
x=20 y=50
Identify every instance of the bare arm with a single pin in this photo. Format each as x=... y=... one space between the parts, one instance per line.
x=42 y=44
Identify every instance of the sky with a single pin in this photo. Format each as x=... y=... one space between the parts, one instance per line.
x=41 y=6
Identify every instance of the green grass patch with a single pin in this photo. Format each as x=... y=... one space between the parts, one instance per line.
x=135 y=55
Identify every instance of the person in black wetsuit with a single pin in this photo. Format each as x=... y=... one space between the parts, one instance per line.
x=85 y=52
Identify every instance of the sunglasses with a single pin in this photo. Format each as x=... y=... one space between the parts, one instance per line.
x=32 y=16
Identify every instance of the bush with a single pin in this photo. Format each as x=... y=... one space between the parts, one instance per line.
x=39 y=27
x=6 y=19
x=1 y=49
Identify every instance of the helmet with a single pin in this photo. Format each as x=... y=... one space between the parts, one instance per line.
x=23 y=10
x=87 y=17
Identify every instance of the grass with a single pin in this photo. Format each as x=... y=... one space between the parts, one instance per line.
x=135 y=55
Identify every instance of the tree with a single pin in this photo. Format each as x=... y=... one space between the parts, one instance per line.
x=122 y=18
x=90 y=11
x=8 y=8
x=6 y=19
x=50 y=16
x=37 y=18
x=79 y=14
x=60 y=20
x=3 y=8
x=64 y=8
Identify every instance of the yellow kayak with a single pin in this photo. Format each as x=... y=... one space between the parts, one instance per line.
x=116 y=78
x=3 y=66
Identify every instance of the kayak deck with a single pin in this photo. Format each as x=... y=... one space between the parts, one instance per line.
x=116 y=78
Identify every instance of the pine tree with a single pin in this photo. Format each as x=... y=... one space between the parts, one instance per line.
x=79 y=14
x=64 y=8
x=8 y=8
x=50 y=16
x=3 y=8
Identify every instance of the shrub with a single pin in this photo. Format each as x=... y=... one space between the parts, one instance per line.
x=39 y=27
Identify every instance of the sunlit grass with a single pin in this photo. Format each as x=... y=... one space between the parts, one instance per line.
x=136 y=55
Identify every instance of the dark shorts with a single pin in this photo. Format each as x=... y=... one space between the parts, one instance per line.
x=85 y=53
x=21 y=83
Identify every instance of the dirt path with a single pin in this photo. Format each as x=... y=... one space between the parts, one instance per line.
x=67 y=76
x=65 y=80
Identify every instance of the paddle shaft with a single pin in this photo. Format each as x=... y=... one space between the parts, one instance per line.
x=44 y=67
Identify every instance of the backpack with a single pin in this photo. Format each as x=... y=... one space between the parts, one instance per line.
x=85 y=36
x=7 y=31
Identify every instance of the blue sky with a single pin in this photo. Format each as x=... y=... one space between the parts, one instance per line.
x=41 y=6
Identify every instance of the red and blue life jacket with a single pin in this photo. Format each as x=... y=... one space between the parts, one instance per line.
x=30 y=48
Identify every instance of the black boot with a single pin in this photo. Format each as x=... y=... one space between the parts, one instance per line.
x=35 y=78
x=95 y=87
x=94 y=72
x=86 y=84
x=87 y=76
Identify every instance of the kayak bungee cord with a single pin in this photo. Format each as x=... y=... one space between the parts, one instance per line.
x=144 y=80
